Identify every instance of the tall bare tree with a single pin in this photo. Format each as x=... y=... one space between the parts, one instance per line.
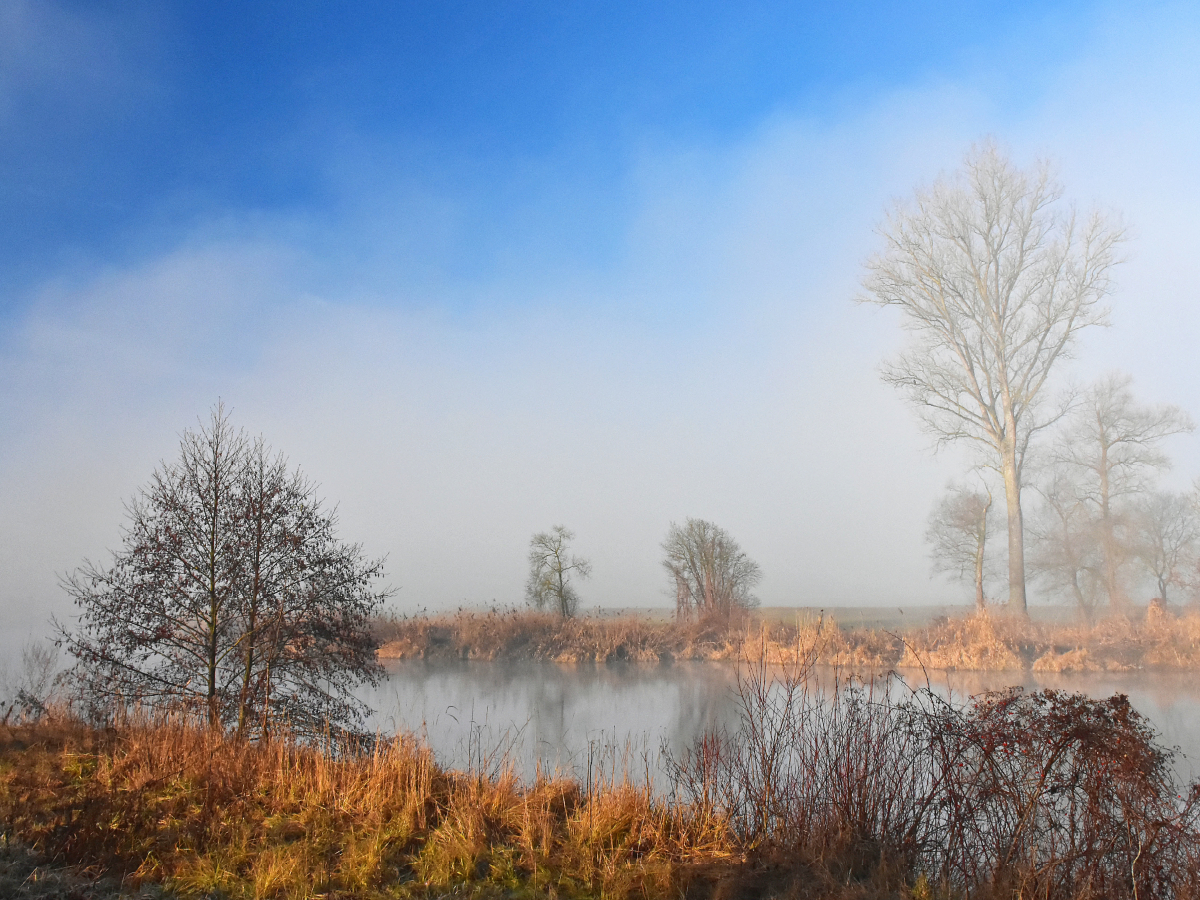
x=305 y=603
x=994 y=282
x=711 y=575
x=551 y=568
x=232 y=596
x=1111 y=447
x=958 y=535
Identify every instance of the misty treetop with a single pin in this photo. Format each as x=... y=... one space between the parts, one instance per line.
x=711 y=575
x=552 y=569
x=232 y=596
x=1102 y=524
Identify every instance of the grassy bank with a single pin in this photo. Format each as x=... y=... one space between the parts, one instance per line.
x=987 y=642
x=204 y=815
x=851 y=790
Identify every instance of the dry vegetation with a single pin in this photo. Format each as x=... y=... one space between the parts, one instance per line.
x=519 y=634
x=985 y=642
x=205 y=815
x=851 y=790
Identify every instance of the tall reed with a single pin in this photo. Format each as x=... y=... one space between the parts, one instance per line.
x=988 y=641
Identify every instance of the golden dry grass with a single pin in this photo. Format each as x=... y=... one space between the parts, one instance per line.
x=989 y=641
x=204 y=815
x=534 y=635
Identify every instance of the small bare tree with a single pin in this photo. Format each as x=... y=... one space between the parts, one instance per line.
x=232 y=596
x=1111 y=449
x=1167 y=531
x=958 y=534
x=994 y=283
x=551 y=568
x=711 y=575
x=33 y=691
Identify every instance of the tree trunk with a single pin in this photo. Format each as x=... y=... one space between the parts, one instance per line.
x=1016 y=528
x=1117 y=601
x=979 y=601
x=981 y=535
x=247 y=673
x=214 y=709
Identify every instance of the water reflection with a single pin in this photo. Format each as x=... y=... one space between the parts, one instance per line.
x=560 y=717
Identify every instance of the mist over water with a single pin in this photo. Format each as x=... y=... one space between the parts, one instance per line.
x=550 y=717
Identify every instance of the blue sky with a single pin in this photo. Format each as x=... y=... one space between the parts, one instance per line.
x=126 y=124
x=484 y=268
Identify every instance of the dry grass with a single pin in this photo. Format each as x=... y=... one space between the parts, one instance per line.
x=991 y=641
x=519 y=634
x=850 y=791
x=204 y=815
x=1156 y=640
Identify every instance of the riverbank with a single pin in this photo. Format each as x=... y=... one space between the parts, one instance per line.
x=992 y=641
x=203 y=815
x=859 y=794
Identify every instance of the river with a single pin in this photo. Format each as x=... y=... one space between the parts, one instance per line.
x=569 y=718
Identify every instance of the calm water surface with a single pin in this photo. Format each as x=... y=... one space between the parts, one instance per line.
x=563 y=717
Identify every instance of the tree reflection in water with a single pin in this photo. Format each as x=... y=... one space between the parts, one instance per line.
x=568 y=718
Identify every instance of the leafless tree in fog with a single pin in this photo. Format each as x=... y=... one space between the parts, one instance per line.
x=231 y=597
x=711 y=575
x=958 y=535
x=1065 y=553
x=29 y=693
x=1166 y=533
x=551 y=568
x=1111 y=451
x=994 y=282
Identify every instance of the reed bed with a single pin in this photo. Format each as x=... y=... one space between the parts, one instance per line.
x=520 y=634
x=988 y=641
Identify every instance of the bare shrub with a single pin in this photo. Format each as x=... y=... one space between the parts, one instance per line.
x=1016 y=794
x=30 y=694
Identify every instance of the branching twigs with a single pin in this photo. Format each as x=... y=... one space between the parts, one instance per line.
x=1047 y=792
